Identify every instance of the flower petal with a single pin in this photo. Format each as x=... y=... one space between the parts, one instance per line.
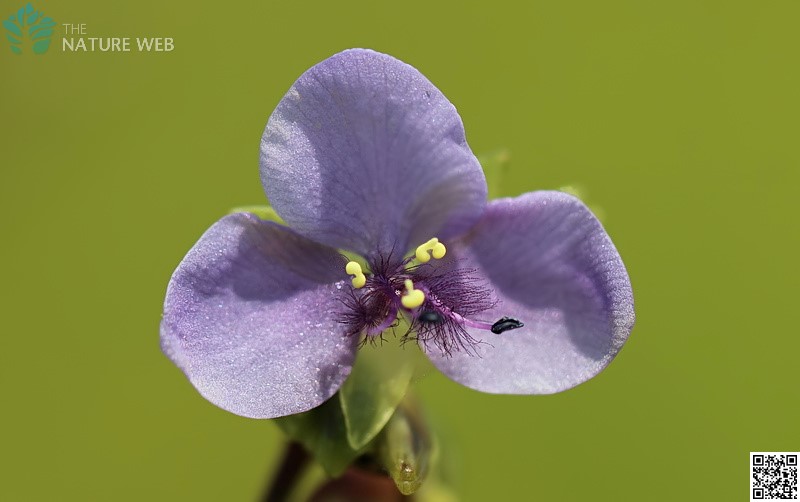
x=250 y=318
x=364 y=153
x=553 y=267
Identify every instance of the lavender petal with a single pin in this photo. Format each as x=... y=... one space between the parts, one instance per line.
x=364 y=153
x=250 y=318
x=554 y=268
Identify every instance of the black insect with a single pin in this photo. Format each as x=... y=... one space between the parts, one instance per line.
x=505 y=324
x=430 y=317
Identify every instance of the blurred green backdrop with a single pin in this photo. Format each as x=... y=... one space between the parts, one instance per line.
x=679 y=119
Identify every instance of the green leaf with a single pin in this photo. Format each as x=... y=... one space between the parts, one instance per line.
x=377 y=384
x=495 y=165
x=574 y=190
x=266 y=213
x=41 y=46
x=12 y=39
x=32 y=17
x=581 y=193
x=16 y=50
x=323 y=433
x=12 y=27
x=405 y=448
x=28 y=8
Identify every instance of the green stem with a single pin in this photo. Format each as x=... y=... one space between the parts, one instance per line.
x=295 y=461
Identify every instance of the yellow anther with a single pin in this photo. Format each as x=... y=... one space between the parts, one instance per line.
x=359 y=281
x=354 y=269
x=413 y=298
x=435 y=247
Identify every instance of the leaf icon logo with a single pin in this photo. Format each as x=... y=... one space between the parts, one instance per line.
x=32 y=25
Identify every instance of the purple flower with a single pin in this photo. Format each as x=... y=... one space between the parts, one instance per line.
x=518 y=296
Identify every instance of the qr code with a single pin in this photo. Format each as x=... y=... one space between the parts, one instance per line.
x=773 y=475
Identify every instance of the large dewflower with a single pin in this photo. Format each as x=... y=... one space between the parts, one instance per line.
x=519 y=296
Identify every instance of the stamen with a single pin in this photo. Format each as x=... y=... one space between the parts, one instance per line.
x=443 y=302
x=413 y=298
x=436 y=248
x=354 y=269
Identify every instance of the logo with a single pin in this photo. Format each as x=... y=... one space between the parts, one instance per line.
x=28 y=30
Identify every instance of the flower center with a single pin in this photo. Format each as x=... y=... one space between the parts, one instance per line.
x=438 y=298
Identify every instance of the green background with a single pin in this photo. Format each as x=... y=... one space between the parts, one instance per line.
x=678 y=118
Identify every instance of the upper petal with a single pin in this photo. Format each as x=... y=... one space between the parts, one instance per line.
x=553 y=267
x=364 y=153
x=250 y=318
